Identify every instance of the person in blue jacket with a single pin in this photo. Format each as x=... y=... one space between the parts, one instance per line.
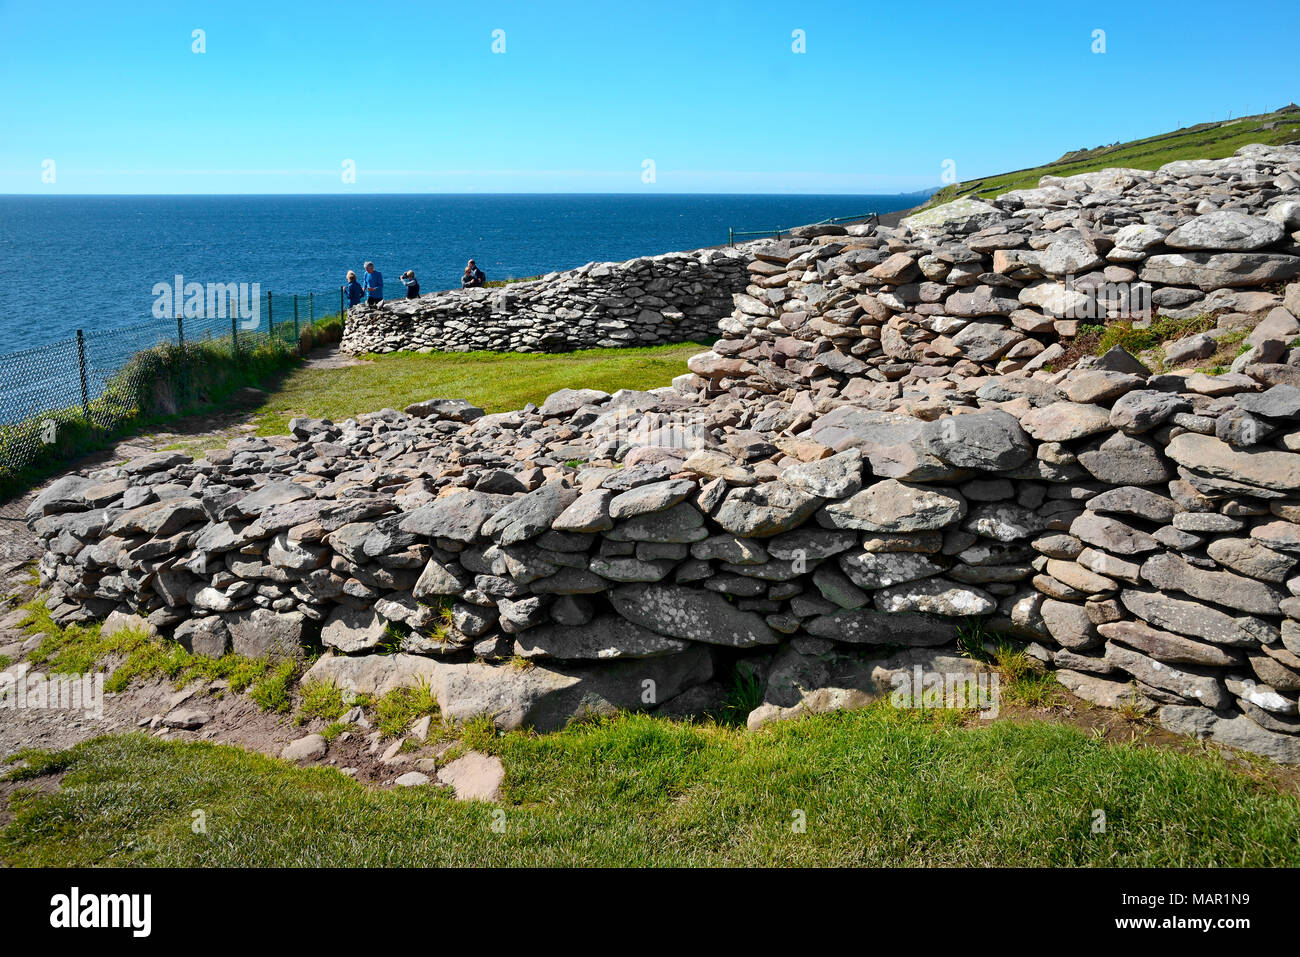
x=374 y=285
x=352 y=289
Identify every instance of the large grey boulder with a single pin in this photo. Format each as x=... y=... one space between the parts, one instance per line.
x=1226 y=229
x=529 y=516
x=545 y=697
x=691 y=614
x=351 y=630
x=605 y=638
x=991 y=440
x=760 y=511
x=1209 y=271
x=893 y=506
x=260 y=632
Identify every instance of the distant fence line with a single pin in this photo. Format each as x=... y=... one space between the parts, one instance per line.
x=93 y=379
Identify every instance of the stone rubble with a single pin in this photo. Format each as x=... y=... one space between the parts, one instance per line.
x=890 y=438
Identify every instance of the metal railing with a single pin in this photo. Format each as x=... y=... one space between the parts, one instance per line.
x=778 y=232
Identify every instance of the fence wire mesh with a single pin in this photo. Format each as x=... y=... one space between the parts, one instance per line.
x=100 y=379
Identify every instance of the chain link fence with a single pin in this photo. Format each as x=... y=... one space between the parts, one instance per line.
x=58 y=399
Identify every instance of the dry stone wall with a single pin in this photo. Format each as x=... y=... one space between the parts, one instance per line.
x=892 y=441
x=677 y=297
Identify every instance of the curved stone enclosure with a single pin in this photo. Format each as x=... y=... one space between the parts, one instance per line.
x=895 y=438
x=675 y=297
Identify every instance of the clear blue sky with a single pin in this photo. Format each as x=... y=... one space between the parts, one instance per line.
x=585 y=92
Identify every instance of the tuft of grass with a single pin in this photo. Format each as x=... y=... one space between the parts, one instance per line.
x=321 y=699
x=333 y=730
x=395 y=711
x=744 y=694
x=272 y=690
x=1162 y=329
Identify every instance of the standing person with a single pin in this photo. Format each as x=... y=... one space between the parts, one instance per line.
x=473 y=277
x=352 y=289
x=412 y=284
x=374 y=285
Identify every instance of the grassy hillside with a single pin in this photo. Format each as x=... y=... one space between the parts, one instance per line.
x=1203 y=141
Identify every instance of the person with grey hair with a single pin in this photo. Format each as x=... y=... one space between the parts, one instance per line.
x=473 y=277
x=374 y=285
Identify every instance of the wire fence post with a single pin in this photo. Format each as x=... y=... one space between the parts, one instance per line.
x=343 y=310
x=234 y=333
x=295 y=317
x=182 y=378
x=311 y=306
x=81 y=361
x=270 y=316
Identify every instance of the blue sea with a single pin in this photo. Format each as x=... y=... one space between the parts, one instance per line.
x=91 y=262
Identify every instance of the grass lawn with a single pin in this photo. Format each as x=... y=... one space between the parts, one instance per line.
x=874 y=787
x=1203 y=141
x=495 y=381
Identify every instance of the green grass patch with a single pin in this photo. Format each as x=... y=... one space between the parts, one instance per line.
x=495 y=381
x=321 y=699
x=138 y=656
x=1162 y=329
x=272 y=691
x=876 y=787
x=395 y=711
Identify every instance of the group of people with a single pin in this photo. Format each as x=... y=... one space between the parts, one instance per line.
x=371 y=289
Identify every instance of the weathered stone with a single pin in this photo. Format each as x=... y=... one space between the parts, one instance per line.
x=602 y=638
x=474 y=776
x=1065 y=421
x=1166 y=646
x=764 y=510
x=1069 y=624
x=867 y=626
x=678 y=612
x=530 y=515
x=351 y=630
x=837 y=476
x=1206 y=454
x=1189 y=682
x=893 y=506
x=1195 y=619
x=1166 y=571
